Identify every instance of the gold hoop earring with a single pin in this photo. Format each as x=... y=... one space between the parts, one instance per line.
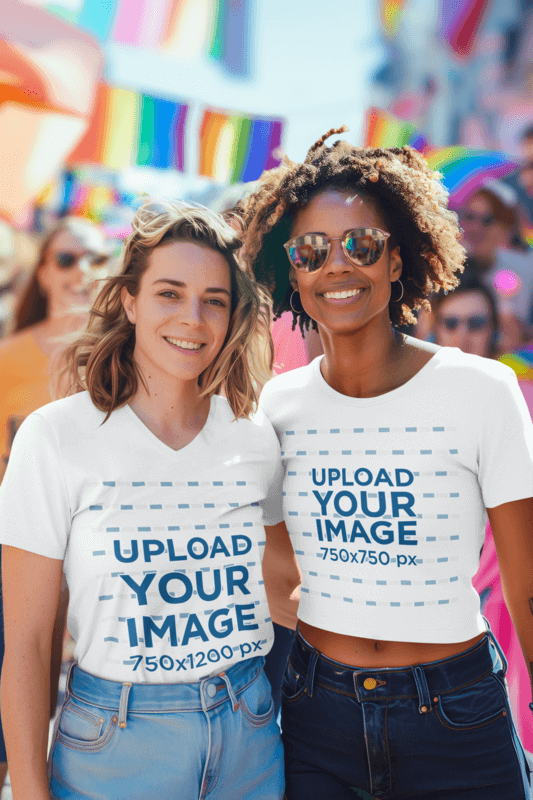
x=400 y=297
x=294 y=310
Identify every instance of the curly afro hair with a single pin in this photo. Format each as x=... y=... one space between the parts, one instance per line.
x=404 y=190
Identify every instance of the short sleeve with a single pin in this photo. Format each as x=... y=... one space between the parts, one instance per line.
x=506 y=445
x=272 y=505
x=35 y=510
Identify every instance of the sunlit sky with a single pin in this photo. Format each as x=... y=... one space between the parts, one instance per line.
x=312 y=62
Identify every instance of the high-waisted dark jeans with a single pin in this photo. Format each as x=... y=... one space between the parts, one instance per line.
x=438 y=730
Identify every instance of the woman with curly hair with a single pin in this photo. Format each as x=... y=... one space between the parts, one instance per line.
x=393 y=451
x=150 y=489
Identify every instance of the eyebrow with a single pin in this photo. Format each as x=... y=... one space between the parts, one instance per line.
x=181 y=285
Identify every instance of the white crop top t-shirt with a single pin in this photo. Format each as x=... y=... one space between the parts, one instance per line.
x=162 y=549
x=385 y=497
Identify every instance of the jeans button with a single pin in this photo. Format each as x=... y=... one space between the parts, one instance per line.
x=211 y=690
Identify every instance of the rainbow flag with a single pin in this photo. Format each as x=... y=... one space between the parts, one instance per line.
x=391 y=16
x=465 y=170
x=221 y=30
x=234 y=148
x=521 y=361
x=386 y=130
x=459 y=22
x=130 y=128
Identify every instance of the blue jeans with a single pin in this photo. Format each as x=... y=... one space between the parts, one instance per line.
x=217 y=738
x=438 y=730
x=276 y=662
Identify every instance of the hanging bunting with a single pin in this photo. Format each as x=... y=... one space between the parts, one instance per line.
x=391 y=16
x=231 y=36
x=129 y=128
x=235 y=148
x=386 y=130
x=459 y=22
x=220 y=30
x=188 y=29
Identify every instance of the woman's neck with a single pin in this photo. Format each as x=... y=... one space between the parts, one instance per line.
x=172 y=410
x=367 y=363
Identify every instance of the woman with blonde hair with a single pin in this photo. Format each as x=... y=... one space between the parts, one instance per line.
x=150 y=489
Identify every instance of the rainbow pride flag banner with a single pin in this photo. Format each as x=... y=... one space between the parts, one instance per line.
x=521 y=361
x=386 y=130
x=459 y=22
x=217 y=29
x=235 y=148
x=391 y=16
x=464 y=170
x=129 y=128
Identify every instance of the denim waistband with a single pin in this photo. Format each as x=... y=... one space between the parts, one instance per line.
x=155 y=698
x=388 y=683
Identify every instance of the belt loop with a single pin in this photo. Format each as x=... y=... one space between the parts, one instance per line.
x=69 y=679
x=234 y=701
x=496 y=644
x=123 y=706
x=424 y=704
x=310 y=680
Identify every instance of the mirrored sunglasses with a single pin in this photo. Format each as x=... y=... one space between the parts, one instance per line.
x=362 y=246
x=473 y=324
x=66 y=260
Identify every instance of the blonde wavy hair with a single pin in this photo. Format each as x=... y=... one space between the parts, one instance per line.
x=101 y=359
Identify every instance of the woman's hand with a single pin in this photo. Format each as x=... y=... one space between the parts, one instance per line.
x=512 y=528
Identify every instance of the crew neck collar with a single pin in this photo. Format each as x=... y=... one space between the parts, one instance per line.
x=413 y=384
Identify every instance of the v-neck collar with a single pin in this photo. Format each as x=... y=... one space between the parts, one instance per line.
x=164 y=448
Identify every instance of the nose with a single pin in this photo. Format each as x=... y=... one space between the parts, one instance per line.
x=191 y=313
x=337 y=262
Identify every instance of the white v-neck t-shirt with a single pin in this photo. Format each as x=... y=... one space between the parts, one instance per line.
x=162 y=549
x=385 y=497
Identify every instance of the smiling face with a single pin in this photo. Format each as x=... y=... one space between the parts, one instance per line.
x=341 y=296
x=69 y=286
x=182 y=310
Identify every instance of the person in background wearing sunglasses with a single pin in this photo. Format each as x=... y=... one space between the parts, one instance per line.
x=490 y=220
x=72 y=255
x=467 y=318
x=393 y=451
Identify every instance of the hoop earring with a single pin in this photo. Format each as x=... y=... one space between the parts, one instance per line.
x=400 y=297
x=294 y=310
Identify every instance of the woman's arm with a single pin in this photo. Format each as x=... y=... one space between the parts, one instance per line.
x=282 y=576
x=31 y=586
x=512 y=528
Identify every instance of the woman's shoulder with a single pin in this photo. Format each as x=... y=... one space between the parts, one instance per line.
x=70 y=412
x=252 y=433
x=452 y=364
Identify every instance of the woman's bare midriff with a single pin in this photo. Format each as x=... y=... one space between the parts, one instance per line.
x=359 y=652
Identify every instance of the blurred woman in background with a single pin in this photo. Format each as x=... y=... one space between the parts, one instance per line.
x=503 y=262
x=72 y=255
x=467 y=318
